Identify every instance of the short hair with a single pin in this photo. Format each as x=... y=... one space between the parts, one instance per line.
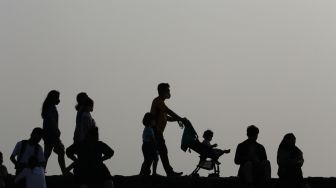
x=252 y=130
x=207 y=133
x=148 y=117
x=37 y=131
x=162 y=87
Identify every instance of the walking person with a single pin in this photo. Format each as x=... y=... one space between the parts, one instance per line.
x=84 y=121
x=162 y=114
x=149 y=148
x=52 y=141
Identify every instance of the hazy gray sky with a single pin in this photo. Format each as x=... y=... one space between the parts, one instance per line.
x=229 y=63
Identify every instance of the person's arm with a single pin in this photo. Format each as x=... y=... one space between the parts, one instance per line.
x=71 y=152
x=107 y=152
x=15 y=153
x=240 y=157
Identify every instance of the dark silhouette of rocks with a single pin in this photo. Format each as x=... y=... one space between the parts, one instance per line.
x=181 y=182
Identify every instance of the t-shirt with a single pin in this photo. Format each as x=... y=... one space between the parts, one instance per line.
x=35 y=177
x=159 y=110
x=206 y=142
x=29 y=151
x=50 y=125
x=148 y=134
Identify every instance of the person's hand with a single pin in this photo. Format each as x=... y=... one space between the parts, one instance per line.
x=214 y=145
x=227 y=151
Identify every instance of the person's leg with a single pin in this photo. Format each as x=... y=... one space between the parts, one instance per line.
x=163 y=152
x=60 y=151
x=145 y=167
x=47 y=151
x=155 y=162
x=83 y=186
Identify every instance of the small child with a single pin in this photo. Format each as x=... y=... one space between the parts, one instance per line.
x=149 y=149
x=33 y=174
x=207 y=135
x=3 y=173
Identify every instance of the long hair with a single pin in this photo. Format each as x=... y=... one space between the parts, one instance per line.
x=50 y=100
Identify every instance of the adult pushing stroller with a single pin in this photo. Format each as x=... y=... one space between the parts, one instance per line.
x=208 y=158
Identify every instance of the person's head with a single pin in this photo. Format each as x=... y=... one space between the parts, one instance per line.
x=52 y=99
x=88 y=105
x=289 y=140
x=36 y=135
x=163 y=90
x=81 y=98
x=252 y=132
x=1 y=158
x=93 y=135
x=207 y=135
x=32 y=162
x=148 y=120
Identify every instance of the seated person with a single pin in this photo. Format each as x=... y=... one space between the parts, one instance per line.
x=290 y=161
x=252 y=158
x=207 y=135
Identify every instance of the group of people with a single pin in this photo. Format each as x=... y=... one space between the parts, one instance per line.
x=88 y=153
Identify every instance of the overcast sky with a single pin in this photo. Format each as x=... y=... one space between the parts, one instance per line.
x=230 y=64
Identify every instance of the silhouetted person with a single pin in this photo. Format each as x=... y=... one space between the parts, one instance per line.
x=81 y=98
x=290 y=161
x=252 y=158
x=52 y=141
x=149 y=149
x=33 y=174
x=26 y=148
x=85 y=122
x=89 y=156
x=163 y=114
x=3 y=173
x=207 y=135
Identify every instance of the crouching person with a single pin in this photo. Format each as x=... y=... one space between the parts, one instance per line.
x=88 y=156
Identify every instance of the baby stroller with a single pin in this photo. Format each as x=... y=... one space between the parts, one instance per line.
x=208 y=159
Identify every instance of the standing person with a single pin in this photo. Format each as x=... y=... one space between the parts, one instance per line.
x=27 y=148
x=163 y=114
x=89 y=156
x=252 y=158
x=3 y=173
x=81 y=98
x=85 y=121
x=33 y=174
x=52 y=141
x=149 y=146
x=290 y=160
